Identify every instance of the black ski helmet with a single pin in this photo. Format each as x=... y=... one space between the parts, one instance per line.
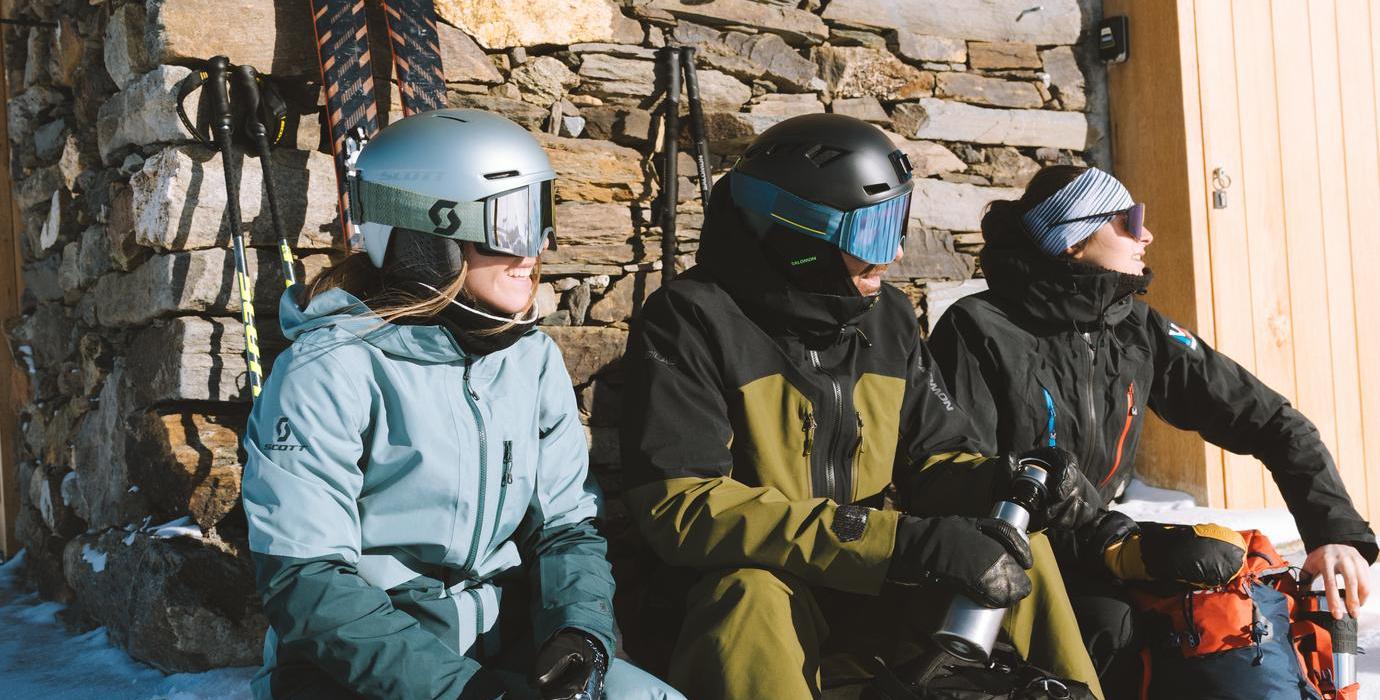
x=829 y=159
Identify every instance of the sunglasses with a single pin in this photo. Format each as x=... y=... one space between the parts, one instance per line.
x=1135 y=219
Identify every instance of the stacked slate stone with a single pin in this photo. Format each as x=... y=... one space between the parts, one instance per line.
x=130 y=466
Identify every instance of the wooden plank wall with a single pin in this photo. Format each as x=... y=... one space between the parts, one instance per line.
x=1282 y=96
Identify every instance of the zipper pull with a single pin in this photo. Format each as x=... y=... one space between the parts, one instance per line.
x=469 y=389
x=809 y=432
x=507 y=461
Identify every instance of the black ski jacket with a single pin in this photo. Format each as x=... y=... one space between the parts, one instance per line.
x=753 y=411
x=1062 y=353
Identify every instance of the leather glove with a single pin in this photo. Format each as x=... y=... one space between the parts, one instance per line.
x=982 y=558
x=571 y=666
x=1071 y=500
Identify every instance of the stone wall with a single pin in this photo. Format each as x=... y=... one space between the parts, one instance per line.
x=130 y=468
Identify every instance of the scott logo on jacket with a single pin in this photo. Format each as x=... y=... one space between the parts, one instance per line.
x=282 y=433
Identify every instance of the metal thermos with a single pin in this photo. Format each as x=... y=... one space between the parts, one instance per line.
x=969 y=630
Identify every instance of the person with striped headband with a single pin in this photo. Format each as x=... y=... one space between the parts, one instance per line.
x=1061 y=352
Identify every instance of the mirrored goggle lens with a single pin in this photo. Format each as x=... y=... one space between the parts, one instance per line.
x=520 y=221
x=874 y=233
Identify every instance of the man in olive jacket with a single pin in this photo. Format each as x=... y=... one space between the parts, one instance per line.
x=775 y=394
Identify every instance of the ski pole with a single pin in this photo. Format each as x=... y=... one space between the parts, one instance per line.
x=223 y=127
x=669 y=184
x=260 y=106
x=692 y=93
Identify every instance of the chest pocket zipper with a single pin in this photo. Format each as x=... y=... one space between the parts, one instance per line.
x=1051 y=439
x=1125 y=430
x=503 y=484
x=809 y=429
x=859 y=449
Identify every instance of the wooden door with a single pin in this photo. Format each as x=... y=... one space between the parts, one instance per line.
x=1274 y=102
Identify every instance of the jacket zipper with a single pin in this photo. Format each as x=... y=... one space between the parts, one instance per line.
x=1125 y=429
x=858 y=450
x=503 y=484
x=830 y=476
x=1052 y=439
x=1092 y=431
x=473 y=399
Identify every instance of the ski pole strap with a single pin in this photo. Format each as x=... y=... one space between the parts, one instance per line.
x=394 y=206
x=185 y=88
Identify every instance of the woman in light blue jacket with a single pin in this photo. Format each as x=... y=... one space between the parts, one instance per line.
x=417 y=487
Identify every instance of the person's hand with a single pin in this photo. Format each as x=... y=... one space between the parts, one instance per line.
x=982 y=558
x=571 y=666
x=1332 y=560
x=1072 y=501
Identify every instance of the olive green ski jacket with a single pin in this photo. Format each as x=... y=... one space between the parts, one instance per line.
x=754 y=410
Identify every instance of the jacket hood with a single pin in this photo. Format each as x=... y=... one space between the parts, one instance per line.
x=732 y=253
x=1060 y=292
x=342 y=310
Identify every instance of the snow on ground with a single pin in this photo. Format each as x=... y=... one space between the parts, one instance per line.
x=40 y=659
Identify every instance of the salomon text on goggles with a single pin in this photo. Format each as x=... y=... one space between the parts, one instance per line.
x=871 y=233
x=516 y=222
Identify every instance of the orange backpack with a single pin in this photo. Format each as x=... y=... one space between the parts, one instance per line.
x=1259 y=637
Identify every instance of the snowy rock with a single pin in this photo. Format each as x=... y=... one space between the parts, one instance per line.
x=943 y=120
x=1050 y=22
x=179 y=203
x=179 y=605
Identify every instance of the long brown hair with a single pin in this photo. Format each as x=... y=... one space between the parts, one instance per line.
x=1001 y=224
x=357 y=275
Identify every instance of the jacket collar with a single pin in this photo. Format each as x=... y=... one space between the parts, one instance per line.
x=1060 y=292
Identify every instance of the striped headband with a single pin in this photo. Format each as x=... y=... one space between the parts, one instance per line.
x=1093 y=192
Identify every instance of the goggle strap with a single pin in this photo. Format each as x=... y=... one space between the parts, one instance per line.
x=394 y=206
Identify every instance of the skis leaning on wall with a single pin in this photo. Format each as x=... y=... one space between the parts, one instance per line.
x=342 y=43
x=352 y=115
x=416 y=54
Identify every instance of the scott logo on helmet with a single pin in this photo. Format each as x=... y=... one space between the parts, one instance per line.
x=452 y=220
x=282 y=432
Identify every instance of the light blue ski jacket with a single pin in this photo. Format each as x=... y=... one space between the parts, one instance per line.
x=391 y=477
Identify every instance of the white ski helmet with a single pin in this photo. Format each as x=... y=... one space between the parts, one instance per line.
x=463 y=174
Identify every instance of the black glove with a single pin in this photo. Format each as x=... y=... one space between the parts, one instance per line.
x=571 y=666
x=982 y=558
x=1072 y=501
x=1092 y=540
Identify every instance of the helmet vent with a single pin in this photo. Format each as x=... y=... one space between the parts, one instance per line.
x=454 y=119
x=876 y=188
x=823 y=155
x=500 y=174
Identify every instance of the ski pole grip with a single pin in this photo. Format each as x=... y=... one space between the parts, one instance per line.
x=217 y=81
x=245 y=81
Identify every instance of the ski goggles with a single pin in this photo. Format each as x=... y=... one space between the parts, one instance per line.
x=871 y=233
x=1135 y=219
x=516 y=222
